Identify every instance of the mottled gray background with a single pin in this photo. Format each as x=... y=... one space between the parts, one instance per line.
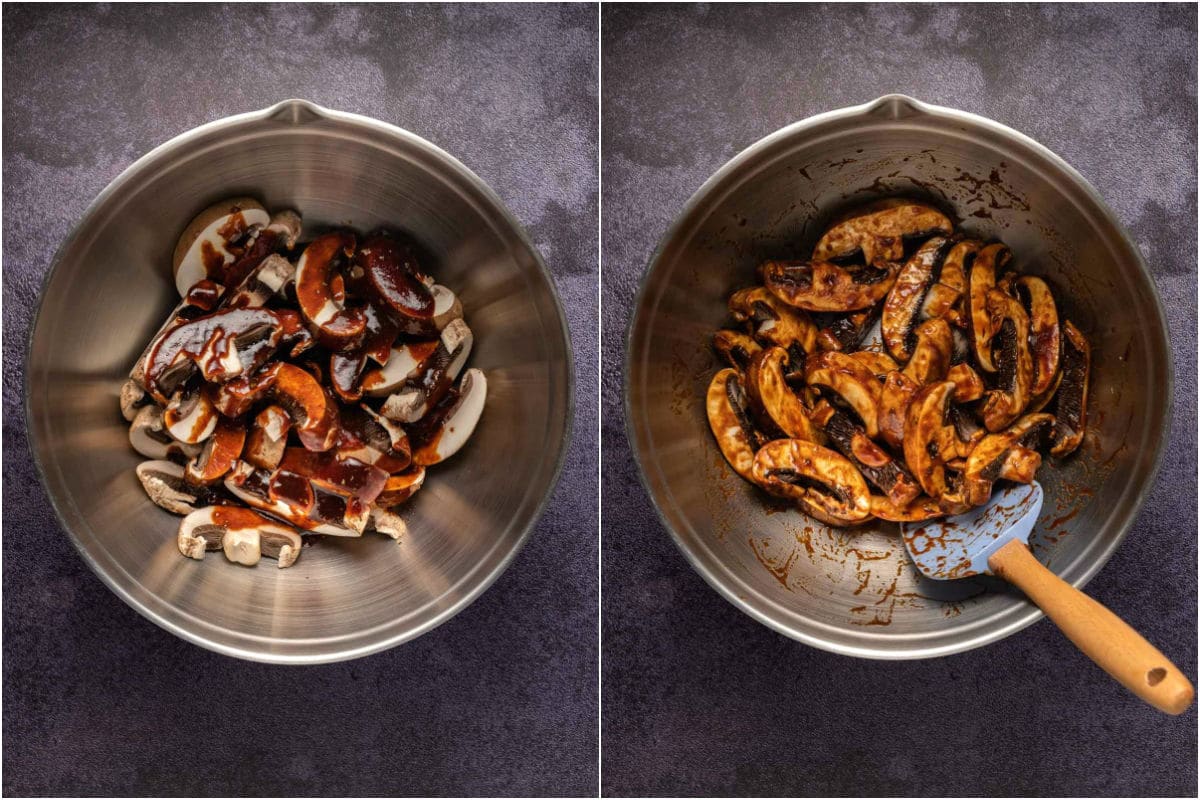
x=499 y=700
x=700 y=699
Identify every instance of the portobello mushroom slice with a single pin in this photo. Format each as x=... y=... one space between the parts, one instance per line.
x=931 y=356
x=879 y=229
x=824 y=485
x=931 y=440
x=1071 y=410
x=875 y=463
x=918 y=510
x=772 y=397
x=879 y=363
x=1013 y=361
x=851 y=380
x=968 y=386
x=1044 y=331
x=846 y=332
x=822 y=286
x=902 y=308
x=894 y=396
x=772 y=321
x=729 y=418
x=735 y=347
x=945 y=298
x=1008 y=455
x=981 y=278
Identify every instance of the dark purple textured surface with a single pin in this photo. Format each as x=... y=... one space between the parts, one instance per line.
x=700 y=699
x=499 y=700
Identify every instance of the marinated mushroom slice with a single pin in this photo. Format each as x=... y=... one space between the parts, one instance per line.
x=446 y=308
x=918 y=510
x=373 y=439
x=132 y=399
x=313 y=412
x=222 y=345
x=190 y=416
x=851 y=380
x=772 y=397
x=458 y=421
x=772 y=321
x=388 y=523
x=729 y=418
x=216 y=238
x=200 y=300
x=879 y=229
x=352 y=483
x=294 y=498
x=390 y=268
x=927 y=433
x=244 y=535
x=902 y=308
x=406 y=362
x=219 y=454
x=981 y=278
x=875 y=463
x=1045 y=336
x=968 y=386
x=1013 y=362
x=822 y=286
x=932 y=353
x=345 y=375
x=148 y=435
x=267 y=438
x=846 y=332
x=894 y=396
x=267 y=280
x=320 y=292
x=1008 y=455
x=400 y=487
x=880 y=364
x=824 y=484
x=735 y=347
x=945 y=298
x=427 y=389
x=1071 y=411
x=168 y=488
x=287 y=225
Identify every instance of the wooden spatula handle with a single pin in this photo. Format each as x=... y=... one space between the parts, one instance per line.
x=1117 y=648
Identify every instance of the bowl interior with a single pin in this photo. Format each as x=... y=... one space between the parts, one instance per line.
x=110 y=290
x=853 y=590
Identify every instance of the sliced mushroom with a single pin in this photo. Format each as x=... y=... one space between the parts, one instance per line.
x=399 y=488
x=846 y=332
x=215 y=239
x=446 y=308
x=312 y=410
x=267 y=438
x=407 y=361
x=851 y=380
x=294 y=498
x=132 y=399
x=981 y=278
x=875 y=463
x=201 y=299
x=1013 y=362
x=424 y=391
x=968 y=386
x=265 y=281
x=735 y=347
x=825 y=485
x=729 y=418
x=223 y=345
x=772 y=397
x=932 y=353
x=880 y=364
x=902 y=308
x=945 y=298
x=345 y=375
x=190 y=416
x=1007 y=455
x=167 y=486
x=930 y=440
x=149 y=436
x=772 y=321
x=321 y=296
x=894 y=396
x=459 y=421
x=220 y=452
x=370 y=437
x=879 y=230
x=1044 y=330
x=388 y=523
x=822 y=286
x=1071 y=410
x=918 y=510
x=287 y=225
x=391 y=269
x=243 y=534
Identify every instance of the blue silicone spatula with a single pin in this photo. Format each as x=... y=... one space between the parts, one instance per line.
x=994 y=539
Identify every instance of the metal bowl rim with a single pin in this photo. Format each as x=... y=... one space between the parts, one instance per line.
x=1031 y=613
x=294 y=106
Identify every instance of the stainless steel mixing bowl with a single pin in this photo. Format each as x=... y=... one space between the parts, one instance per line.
x=853 y=591
x=109 y=289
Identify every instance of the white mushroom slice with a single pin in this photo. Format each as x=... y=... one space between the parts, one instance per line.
x=287 y=224
x=150 y=437
x=460 y=421
x=407 y=361
x=167 y=487
x=265 y=281
x=244 y=535
x=242 y=546
x=249 y=485
x=388 y=523
x=204 y=245
x=425 y=390
x=132 y=398
x=280 y=543
x=267 y=437
x=190 y=417
x=446 y=307
x=399 y=488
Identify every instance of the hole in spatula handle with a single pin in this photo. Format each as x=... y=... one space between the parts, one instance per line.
x=1154 y=677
